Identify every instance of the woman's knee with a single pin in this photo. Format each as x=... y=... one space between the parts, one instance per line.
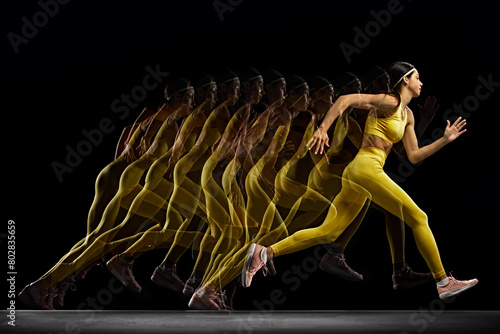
x=326 y=238
x=418 y=218
x=326 y=233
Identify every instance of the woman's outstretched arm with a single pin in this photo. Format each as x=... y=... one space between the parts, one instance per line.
x=417 y=154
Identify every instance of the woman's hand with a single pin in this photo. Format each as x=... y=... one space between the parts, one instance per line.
x=318 y=141
x=128 y=154
x=454 y=131
x=143 y=146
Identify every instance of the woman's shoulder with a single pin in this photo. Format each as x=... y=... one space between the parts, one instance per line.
x=386 y=106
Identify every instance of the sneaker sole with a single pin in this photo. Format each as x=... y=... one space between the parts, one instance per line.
x=121 y=279
x=248 y=261
x=409 y=285
x=449 y=294
x=164 y=284
x=271 y=269
x=339 y=272
x=198 y=306
x=201 y=307
x=187 y=293
x=27 y=300
x=194 y=305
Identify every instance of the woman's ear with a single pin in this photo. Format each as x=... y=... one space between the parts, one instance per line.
x=199 y=91
x=176 y=97
x=245 y=85
x=267 y=88
x=222 y=87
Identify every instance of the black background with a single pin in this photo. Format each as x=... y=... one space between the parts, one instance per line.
x=66 y=77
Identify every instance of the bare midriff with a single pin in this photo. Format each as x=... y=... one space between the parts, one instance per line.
x=370 y=140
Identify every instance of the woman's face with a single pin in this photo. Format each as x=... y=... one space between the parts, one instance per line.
x=256 y=90
x=188 y=100
x=211 y=94
x=253 y=90
x=414 y=84
x=277 y=92
x=233 y=91
x=326 y=95
x=355 y=87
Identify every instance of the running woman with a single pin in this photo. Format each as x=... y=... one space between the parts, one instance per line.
x=389 y=122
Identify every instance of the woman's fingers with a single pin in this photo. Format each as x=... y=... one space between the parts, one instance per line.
x=462 y=124
x=319 y=147
x=315 y=146
x=311 y=142
x=459 y=121
x=318 y=142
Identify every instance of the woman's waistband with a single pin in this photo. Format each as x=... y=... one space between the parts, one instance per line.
x=373 y=151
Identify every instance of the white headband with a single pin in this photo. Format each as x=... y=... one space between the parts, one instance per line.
x=406 y=74
x=347 y=84
x=168 y=97
x=299 y=85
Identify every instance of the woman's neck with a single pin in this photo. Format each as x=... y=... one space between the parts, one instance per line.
x=406 y=97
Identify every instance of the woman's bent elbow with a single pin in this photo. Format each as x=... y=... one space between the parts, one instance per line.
x=413 y=158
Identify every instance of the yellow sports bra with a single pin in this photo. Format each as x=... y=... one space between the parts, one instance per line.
x=390 y=128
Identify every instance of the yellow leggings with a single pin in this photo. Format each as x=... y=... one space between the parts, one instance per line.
x=325 y=178
x=187 y=203
x=92 y=249
x=225 y=213
x=365 y=178
x=106 y=186
x=263 y=222
x=395 y=231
